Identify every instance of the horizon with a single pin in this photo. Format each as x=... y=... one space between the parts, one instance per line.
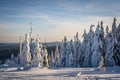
x=52 y=20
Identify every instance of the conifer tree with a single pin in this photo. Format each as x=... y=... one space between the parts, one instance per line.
x=57 y=56
x=26 y=55
x=37 y=58
x=111 y=43
x=76 y=45
x=116 y=49
x=98 y=46
x=63 y=52
x=45 y=56
x=88 y=51
x=70 y=51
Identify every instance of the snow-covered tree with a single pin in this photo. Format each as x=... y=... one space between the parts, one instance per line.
x=116 y=48
x=98 y=45
x=87 y=45
x=114 y=25
x=70 y=52
x=84 y=47
x=118 y=34
x=52 y=60
x=116 y=54
x=45 y=56
x=18 y=57
x=37 y=58
x=57 y=56
x=80 y=56
x=64 y=51
x=111 y=43
x=76 y=45
x=31 y=41
x=25 y=57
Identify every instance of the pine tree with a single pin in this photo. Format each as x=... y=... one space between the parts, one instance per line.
x=45 y=56
x=83 y=49
x=70 y=52
x=31 y=44
x=88 y=51
x=52 y=59
x=76 y=45
x=63 y=52
x=118 y=34
x=57 y=56
x=98 y=45
x=116 y=49
x=37 y=58
x=25 y=57
x=116 y=54
x=95 y=48
x=111 y=43
x=114 y=25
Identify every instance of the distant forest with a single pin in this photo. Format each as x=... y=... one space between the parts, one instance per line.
x=6 y=49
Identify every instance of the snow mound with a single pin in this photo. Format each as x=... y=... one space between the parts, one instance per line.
x=27 y=67
x=79 y=74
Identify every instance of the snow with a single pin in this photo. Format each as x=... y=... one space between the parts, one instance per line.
x=66 y=73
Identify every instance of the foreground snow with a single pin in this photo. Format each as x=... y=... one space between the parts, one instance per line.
x=13 y=73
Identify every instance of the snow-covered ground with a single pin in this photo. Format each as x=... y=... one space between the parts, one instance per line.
x=13 y=73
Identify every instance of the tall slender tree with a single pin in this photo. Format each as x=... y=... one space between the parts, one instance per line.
x=57 y=56
x=98 y=46
x=89 y=43
x=26 y=55
x=64 y=50
x=111 y=42
x=76 y=45
x=37 y=58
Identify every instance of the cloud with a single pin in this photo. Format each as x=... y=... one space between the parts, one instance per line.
x=35 y=16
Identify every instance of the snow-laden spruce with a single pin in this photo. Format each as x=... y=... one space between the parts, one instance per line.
x=57 y=56
x=76 y=46
x=64 y=51
x=37 y=58
x=98 y=45
x=111 y=41
x=25 y=56
x=87 y=47
x=71 y=60
x=45 y=56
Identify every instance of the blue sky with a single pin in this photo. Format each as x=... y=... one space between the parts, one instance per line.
x=53 y=19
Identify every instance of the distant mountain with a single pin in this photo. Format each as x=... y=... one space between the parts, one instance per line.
x=53 y=43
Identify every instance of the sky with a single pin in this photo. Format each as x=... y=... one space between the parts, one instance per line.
x=53 y=19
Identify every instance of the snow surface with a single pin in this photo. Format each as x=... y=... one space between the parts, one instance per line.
x=67 y=73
